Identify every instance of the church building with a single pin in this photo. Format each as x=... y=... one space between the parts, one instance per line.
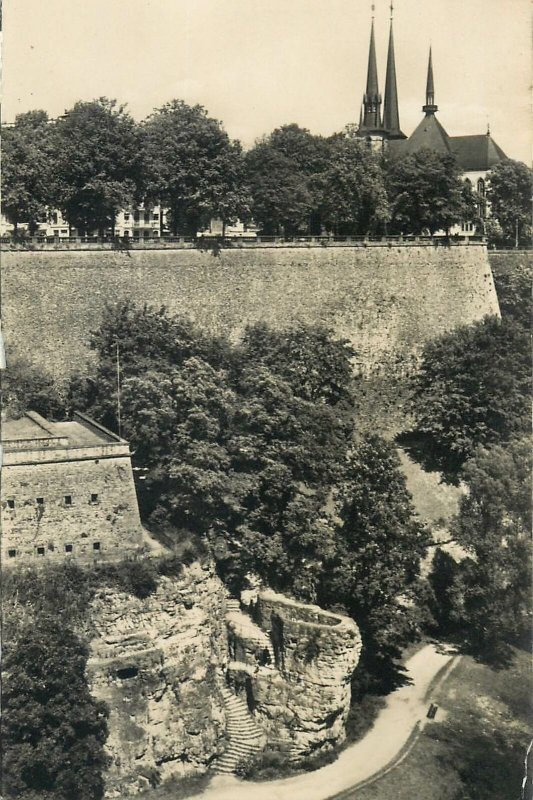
x=475 y=155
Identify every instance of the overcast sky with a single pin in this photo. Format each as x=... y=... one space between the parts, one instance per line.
x=258 y=64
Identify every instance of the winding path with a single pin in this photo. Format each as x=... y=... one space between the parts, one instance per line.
x=383 y=746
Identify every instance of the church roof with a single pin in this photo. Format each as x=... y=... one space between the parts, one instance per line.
x=478 y=152
x=429 y=133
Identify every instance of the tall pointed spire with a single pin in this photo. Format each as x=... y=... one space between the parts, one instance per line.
x=430 y=107
x=391 y=113
x=372 y=98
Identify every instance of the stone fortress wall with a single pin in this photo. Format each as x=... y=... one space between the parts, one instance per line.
x=387 y=300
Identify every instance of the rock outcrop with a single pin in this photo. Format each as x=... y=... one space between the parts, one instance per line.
x=158 y=664
x=301 y=696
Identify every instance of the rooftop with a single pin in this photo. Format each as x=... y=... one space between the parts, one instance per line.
x=34 y=432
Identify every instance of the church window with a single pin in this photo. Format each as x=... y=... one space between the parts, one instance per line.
x=481 y=187
x=68 y=499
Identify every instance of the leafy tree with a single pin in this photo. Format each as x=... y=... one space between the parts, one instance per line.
x=281 y=198
x=487 y=596
x=97 y=164
x=192 y=166
x=26 y=387
x=374 y=571
x=509 y=193
x=317 y=366
x=472 y=388
x=426 y=193
x=27 y=169
x=353 y=189
x=53 y=731
x=252 y=446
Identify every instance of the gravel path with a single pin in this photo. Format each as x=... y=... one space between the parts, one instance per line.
x=405 y=710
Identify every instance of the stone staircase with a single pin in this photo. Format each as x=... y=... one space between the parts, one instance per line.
x=245 y=736
x=248 y=631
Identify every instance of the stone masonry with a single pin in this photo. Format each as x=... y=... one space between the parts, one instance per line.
x=388 y=301
x=67 y=492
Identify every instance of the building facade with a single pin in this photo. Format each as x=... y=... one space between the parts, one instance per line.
x=67 y=491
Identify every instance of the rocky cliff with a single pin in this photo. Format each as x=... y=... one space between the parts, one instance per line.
x=158 y=663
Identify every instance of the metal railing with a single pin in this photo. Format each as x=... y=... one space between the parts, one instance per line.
x=190 y=242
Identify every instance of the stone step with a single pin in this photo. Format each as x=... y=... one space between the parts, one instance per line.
x=245 y=737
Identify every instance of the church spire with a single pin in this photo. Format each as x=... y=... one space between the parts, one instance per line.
x=372 y=97
x=430 y=107
x=391 y=113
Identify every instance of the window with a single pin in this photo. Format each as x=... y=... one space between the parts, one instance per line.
x=40 y=501
x=136 y=216
x=40 y=551
x=126 y=234
x=64 y=231
x=155 y=215
x=11 y=503
x=147 y=216
x=96 y=545
x=94 y=499
x=68 y=548
x=12 y=553
x=68 y=499
x=126 y=217
x=54 y=219
x=481 y=187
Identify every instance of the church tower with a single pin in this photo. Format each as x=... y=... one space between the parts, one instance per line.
x=371 y=127
x=391 y=113
x=429 y=133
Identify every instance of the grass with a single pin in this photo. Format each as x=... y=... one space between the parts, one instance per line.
x=176 y=788
x=475 y=748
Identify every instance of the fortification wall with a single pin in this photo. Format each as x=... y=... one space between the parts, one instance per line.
x=386 y=300
x=100 y=520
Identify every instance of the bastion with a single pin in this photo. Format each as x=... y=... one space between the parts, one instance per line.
x=387 y=299
x=67 y=491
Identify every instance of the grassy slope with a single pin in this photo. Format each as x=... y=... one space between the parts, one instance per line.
x=475 y=748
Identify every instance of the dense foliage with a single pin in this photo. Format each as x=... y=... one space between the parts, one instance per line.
x=96 y=164
x=473 y=385
x=509 y=193
x=427 y=194
x=253 y=446
x=486 y=597
x=95 y=159
x=191 y=166
x=472 y=389
x=26 y=169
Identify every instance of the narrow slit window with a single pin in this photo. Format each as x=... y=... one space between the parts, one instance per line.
x=11 y=503
x=12 y=553
x=68 y=548
x=40 y=501
x=96 y=545
x=40 y=551
x=94 y=498
x=68 y=499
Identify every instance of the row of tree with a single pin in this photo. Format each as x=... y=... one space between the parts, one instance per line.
x=95 y=160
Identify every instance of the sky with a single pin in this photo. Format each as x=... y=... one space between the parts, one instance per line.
x=259 y=64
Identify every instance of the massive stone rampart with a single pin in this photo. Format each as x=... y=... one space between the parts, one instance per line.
x=388 y=300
